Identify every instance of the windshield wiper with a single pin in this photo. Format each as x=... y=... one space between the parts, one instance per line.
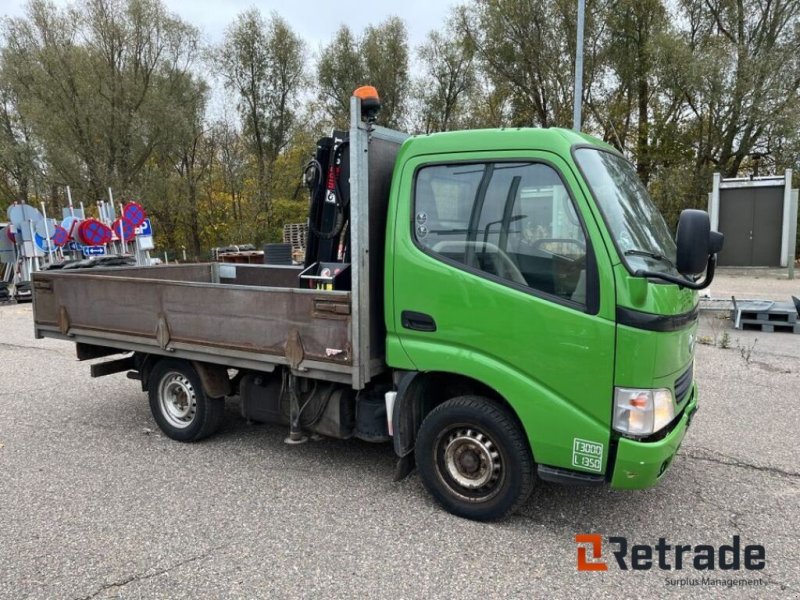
x=653 y=255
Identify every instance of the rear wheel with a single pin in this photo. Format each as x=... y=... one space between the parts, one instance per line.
x=179 y=404
x=473 y=458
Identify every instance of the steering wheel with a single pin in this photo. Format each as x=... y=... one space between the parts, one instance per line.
x=537 y=245
x=503 y=264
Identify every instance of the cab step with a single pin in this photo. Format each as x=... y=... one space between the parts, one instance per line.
x=568 y=477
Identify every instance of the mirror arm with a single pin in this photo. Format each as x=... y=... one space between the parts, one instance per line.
x=681 y=281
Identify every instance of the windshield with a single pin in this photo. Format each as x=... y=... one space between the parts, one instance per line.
x=639 y=231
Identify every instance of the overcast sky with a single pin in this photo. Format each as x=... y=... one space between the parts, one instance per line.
x=315 y=21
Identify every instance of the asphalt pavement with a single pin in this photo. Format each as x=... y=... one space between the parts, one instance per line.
x=96 y=503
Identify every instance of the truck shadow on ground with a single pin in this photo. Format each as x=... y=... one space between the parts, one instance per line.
x=363 y=471
x=372 y=465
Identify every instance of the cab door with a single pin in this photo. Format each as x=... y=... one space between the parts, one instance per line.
x=499 y=274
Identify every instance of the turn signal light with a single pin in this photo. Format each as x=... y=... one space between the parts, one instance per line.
x=642 y=412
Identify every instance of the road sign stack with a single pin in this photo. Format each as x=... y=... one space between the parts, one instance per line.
x=30 y=240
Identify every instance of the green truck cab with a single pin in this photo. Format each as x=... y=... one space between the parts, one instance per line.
x=505 y=306
x=515 y=259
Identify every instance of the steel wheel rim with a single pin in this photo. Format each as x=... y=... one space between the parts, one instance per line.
x=470 y=463
x=177 y=400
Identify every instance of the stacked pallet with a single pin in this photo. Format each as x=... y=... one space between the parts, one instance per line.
x=780 y=316
x=295 y=234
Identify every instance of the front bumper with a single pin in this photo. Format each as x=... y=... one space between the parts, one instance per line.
x=641 y=464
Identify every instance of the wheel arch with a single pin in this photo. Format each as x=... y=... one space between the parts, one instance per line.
x=214 y=378
x=418 y=393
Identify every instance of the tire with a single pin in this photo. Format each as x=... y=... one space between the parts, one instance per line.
x=179 y=403
x=474 y=459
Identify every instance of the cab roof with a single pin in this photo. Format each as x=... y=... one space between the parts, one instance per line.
x=556 y=140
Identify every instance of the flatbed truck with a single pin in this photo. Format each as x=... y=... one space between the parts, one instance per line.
x=505 y=306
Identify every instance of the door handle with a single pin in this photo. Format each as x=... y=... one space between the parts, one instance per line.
x=417 y=321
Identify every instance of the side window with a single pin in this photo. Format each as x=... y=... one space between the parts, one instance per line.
x=515 y=221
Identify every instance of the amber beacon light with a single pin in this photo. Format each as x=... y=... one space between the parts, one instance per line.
x=370 y=101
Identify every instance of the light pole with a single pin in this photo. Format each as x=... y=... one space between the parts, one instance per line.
x=576 y=114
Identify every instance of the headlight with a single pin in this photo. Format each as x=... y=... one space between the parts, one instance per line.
x=642 y=412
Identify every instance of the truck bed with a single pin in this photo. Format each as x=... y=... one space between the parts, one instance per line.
x=241 y=316
x=244 y=316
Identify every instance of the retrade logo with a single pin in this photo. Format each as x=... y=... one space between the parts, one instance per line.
x=666 y=557
x=595 y=544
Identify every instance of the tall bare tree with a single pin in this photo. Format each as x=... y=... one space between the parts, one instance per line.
x=340 y=70
x=742 y=81
x=94 y=81
x=262 y=62
x=528 y=48
x=19 y=156
x=633 y=106
x=447 y=81
x=193 y=156
x=380 y=58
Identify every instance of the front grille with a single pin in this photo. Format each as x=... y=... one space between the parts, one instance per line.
x=683 y=384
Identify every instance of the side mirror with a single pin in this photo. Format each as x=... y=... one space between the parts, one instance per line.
x=696 y=242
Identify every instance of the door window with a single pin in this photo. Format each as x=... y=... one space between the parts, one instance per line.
x=512 y=221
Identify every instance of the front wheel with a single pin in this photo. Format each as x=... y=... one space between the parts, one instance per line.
x=179 y=404
x=473 y=458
